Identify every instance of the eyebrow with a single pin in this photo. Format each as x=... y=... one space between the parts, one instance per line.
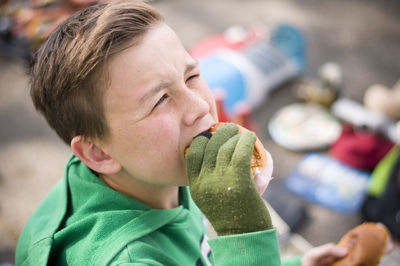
x=192 y=65
x=189 y=67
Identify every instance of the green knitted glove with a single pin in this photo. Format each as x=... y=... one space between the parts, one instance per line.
x=221 y=183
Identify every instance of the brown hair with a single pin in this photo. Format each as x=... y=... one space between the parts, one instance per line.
x=68 y=73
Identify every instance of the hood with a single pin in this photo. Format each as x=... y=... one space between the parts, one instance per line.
x=83 y=211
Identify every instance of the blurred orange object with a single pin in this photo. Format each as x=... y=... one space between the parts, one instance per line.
x=37 y=19
x=219 y=96
x=366 y=244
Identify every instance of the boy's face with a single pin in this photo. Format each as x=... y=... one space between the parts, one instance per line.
x=156 y=103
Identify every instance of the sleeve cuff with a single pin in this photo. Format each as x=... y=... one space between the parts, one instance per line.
x=295 y=261
x=254 y=248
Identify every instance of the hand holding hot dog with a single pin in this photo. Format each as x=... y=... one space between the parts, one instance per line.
x=221 y=181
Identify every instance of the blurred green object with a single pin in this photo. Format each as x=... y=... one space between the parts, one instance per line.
x=382 y=172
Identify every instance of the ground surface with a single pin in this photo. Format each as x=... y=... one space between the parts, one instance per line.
x=363 y=37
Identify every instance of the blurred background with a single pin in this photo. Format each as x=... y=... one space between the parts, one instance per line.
x=317 y=80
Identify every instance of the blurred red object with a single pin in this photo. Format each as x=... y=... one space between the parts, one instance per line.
x=220 y=95
x=234 y=38
x=360 y=148
x=243 y=116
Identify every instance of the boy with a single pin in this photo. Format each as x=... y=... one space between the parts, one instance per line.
x=116 y=85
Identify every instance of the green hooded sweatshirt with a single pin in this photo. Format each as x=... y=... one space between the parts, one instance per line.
x=84 y=222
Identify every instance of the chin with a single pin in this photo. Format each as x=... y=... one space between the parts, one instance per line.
x=177 y=180
x=182 y=182
x=185 y=183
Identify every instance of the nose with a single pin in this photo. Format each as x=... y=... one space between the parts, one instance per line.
x=195 y=107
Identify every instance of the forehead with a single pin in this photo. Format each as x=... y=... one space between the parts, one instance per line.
x=159 y=48
x=158 y=56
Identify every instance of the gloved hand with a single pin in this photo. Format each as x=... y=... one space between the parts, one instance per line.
x=221 y=183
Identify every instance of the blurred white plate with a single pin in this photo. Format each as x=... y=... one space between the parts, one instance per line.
x=304 y=127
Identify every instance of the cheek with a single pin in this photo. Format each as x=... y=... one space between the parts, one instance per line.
x=164 y=149
x=163 y=135
x=155 y=149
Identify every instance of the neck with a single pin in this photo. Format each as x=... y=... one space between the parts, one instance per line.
x=157 y=197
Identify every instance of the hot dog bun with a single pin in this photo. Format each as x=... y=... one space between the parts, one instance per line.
x=259 y=158
x=366 y=244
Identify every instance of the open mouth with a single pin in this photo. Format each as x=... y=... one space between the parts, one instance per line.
x=206 y=133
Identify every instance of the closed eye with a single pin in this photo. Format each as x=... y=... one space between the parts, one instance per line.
x=193 y=77
x=160 y=101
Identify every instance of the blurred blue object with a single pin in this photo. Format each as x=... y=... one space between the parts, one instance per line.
x=249 y=75
x=324 y=180
x=221 y=75
x=291 y=42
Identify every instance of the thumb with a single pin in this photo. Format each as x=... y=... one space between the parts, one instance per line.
x=318 y=254
x=331 y=249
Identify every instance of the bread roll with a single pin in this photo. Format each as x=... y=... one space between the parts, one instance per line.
x=259 y=158
x=366 y=244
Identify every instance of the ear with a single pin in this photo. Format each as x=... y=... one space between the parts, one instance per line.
x=94 y=156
